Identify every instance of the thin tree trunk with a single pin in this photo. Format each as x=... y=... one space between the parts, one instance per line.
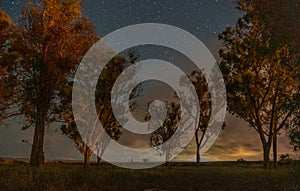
x=198 y=143
x=197 y=146
x=266 y=150
x=87 y=156
x=167 y=157
x=98 y=160
x=275 y=150
x=198 y=153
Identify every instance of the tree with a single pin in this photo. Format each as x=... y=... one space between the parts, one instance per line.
x=103 y=105
x=282 y=18
x=51 y=37
x=166 y=131
x=113 y=132
x=260 y=77
x=201 y=87
x=205 y=112
x=104 y=113
x=8 y=60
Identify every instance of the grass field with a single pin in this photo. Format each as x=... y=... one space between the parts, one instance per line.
x=177 y=176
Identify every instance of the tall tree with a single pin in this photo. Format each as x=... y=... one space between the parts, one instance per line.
x=282 y=18
x=260 y=78
x=51 y=36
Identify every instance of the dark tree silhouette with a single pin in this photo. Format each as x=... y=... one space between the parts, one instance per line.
x=261 y=74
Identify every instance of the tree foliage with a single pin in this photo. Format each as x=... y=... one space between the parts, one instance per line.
x=107 y=78
x=51 y=37
x=104 y=112
x=162 y=135
x=260 y=73
x=294 y=132
x=8 y=78
x=201 y=87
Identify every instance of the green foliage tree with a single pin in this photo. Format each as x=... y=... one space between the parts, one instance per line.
x=51 y=37
x=261 y=74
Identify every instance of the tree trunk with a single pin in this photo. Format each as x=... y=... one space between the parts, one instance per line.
x=37 y=151
x=198 y=153
x=99 y=154
x=167 y=157
x=275 y=150
x=266 y=150
x=87 y=157
x=42 y=107
x=98 y=160
x=197 y=146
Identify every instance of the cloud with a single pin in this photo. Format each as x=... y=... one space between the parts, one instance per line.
x=239 y=140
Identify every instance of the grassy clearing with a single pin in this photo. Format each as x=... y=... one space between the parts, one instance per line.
x=18 y=176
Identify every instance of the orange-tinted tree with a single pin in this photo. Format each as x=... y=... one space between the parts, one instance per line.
x=8 y=61
x=282 y=18
x=51 y=37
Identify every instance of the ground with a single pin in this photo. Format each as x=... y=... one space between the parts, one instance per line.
x=176 y=176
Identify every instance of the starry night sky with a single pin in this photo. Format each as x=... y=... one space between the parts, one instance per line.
x=203 y=18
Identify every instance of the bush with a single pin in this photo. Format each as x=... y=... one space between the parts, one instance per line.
x=285 y=159
x=241 y=161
